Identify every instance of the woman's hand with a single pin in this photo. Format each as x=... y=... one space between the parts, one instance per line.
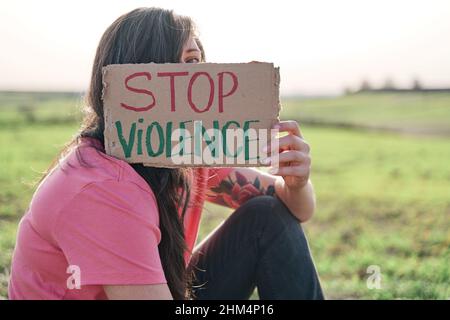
x=289 y=180
x=294 y=161
x=292 y=164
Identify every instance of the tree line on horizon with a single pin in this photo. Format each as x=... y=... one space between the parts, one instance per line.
x=390 y=86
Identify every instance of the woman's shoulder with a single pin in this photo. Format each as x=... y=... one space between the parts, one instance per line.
x=96 y=182
x=89 y=159
x=89 y=183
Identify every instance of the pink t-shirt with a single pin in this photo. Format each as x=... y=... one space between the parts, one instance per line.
x=95 y=226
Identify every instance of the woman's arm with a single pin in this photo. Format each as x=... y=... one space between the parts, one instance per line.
x=289 y=178
x=243 y=184
x=138 y=292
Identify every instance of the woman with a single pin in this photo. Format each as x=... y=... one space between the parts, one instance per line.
x=98 y=227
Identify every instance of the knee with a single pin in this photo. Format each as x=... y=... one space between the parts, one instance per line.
x=268 y=218
x=269 y=210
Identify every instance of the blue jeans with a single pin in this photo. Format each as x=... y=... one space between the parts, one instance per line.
x=260 y=245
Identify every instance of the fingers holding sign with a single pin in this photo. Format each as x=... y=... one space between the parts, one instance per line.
x=292 y=160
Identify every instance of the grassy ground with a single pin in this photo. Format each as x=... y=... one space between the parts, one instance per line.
x=410 y=113
x=383 y=198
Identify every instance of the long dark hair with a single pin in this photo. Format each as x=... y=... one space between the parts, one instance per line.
x=147 y=35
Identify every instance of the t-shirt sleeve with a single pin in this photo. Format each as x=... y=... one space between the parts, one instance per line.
x=110 y=231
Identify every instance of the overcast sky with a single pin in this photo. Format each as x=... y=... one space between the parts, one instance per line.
x=321 y=46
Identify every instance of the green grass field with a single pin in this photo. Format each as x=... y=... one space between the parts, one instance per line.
x=407 y=113
x=383 y=198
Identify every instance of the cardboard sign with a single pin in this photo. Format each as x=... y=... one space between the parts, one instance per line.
x=178 y=114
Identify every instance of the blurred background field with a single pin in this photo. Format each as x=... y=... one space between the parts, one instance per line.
x=380 y=169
